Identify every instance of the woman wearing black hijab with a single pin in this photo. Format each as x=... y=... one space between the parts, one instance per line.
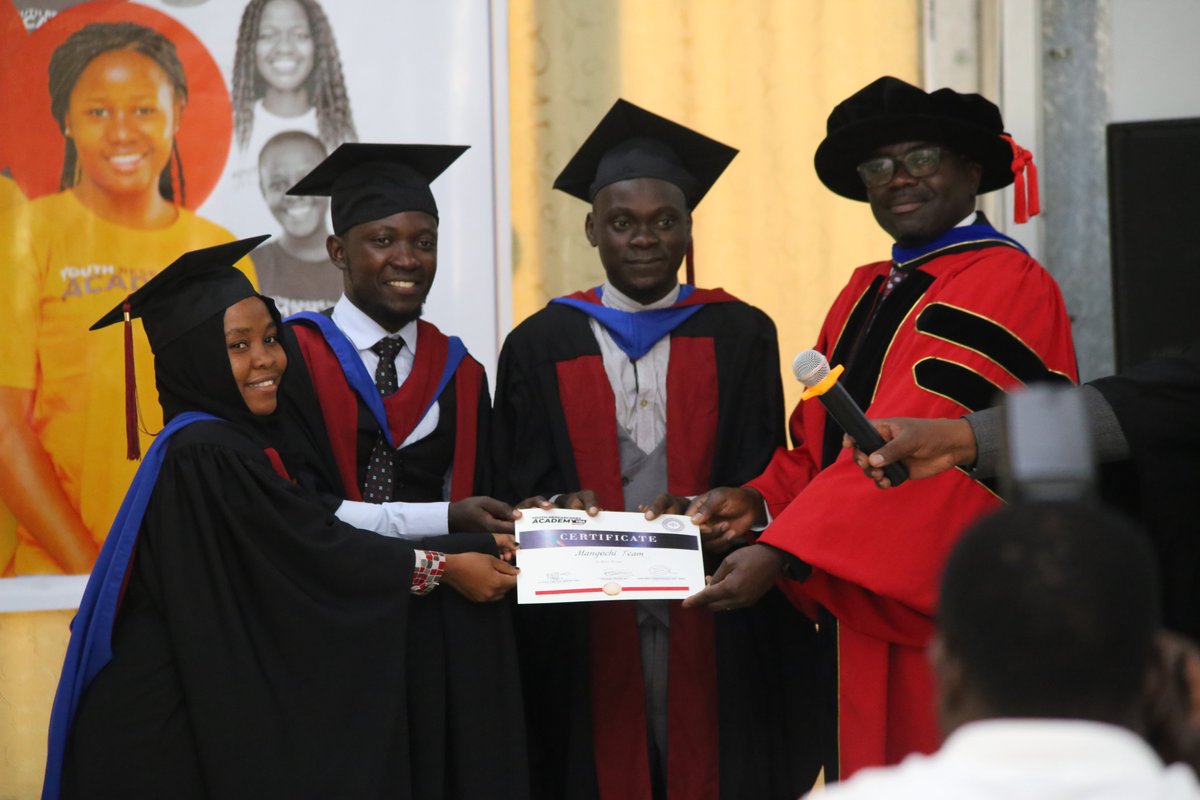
x=235 y=639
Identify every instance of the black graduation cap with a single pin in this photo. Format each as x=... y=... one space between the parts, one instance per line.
x=371 y=181
x=191 y=289
x=631 y=142
x=195 y=286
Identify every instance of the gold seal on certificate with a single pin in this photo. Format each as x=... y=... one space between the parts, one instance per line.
x=569 y=557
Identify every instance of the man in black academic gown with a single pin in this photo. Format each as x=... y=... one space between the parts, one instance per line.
x=633 y=394
x=406 y=412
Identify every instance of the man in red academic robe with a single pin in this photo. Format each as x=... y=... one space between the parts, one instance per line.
x=957 y=314
x=638 y=392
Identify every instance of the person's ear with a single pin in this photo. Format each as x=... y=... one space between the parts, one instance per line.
x=179 y=106
x=950 y=685
x=589 y=229
x=975 y=174
x=336 y=249
x=939 y=661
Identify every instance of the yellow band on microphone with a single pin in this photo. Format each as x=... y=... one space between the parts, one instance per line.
x=825 y=385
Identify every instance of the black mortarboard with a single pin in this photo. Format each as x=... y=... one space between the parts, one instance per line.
x=191 y=289
x=367 y=182
x=195 y=286
x=890 y=111
x=630 y=142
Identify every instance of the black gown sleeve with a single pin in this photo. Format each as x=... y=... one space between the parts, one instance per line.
x=766 y=656
x=283 y=629
x=751 y=399
x=1157 y=403
x=527 y=460
x=484 y=482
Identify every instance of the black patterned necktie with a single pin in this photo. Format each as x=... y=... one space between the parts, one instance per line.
x=381 y=468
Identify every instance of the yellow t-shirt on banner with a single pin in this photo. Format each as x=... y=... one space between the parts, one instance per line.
x=67 y=268
x=10 y=193
x=10 y=197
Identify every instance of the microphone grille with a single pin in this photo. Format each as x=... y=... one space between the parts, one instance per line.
x=810 y=367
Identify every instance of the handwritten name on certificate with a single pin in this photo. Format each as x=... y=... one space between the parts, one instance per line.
x=569 y=557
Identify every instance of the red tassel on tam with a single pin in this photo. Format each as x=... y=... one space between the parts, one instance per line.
x=1026 y=202
x=133 y=449
x=690 y=259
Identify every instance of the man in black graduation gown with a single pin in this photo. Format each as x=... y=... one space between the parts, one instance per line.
x=415 y=443
x=405 y=409
x=638 y=393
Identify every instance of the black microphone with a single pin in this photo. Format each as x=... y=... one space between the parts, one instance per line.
x=812 y=369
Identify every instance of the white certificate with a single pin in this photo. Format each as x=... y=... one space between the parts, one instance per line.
x=569 y=557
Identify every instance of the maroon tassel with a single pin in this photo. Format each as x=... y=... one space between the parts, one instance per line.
x=133 y=449
x=1026 y=202
x=690 y=259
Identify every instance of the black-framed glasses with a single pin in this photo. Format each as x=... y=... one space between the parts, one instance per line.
x=918 y=163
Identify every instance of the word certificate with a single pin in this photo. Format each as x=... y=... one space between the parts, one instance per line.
x=569 y=557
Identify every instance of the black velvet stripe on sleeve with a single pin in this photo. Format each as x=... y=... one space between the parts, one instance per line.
x=988 y=338
x=956 y=382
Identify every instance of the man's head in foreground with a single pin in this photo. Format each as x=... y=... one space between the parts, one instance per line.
x=1047 y=610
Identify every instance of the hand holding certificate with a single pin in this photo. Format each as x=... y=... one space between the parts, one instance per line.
x=568 y=557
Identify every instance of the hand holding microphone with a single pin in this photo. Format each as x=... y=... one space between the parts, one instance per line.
x=812 y=369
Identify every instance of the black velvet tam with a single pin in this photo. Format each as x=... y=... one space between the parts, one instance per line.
x=890 y=111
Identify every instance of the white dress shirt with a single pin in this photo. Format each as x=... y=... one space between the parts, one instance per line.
x=639 y=387
x=404 y=520
x=1030 y=759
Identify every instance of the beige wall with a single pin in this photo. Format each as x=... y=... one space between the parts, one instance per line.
x=760 y=75
x=32 y=646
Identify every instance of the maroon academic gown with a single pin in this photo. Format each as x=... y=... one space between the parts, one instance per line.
x=467 y=736
x=344 y=413
x=741 y=700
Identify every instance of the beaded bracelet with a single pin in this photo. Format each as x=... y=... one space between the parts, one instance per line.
x=428 y=568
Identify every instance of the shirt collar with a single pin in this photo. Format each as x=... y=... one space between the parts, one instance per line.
x=364 y=331
x=973 y=232
x=1026 y=740
x=612 y=297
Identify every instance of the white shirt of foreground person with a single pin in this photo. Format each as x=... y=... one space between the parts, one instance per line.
x=404 y=520
x=1027 y=759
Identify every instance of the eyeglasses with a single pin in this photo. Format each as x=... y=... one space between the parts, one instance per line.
x=917 y=163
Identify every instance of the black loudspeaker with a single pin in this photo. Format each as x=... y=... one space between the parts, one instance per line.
x=1153 y=204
